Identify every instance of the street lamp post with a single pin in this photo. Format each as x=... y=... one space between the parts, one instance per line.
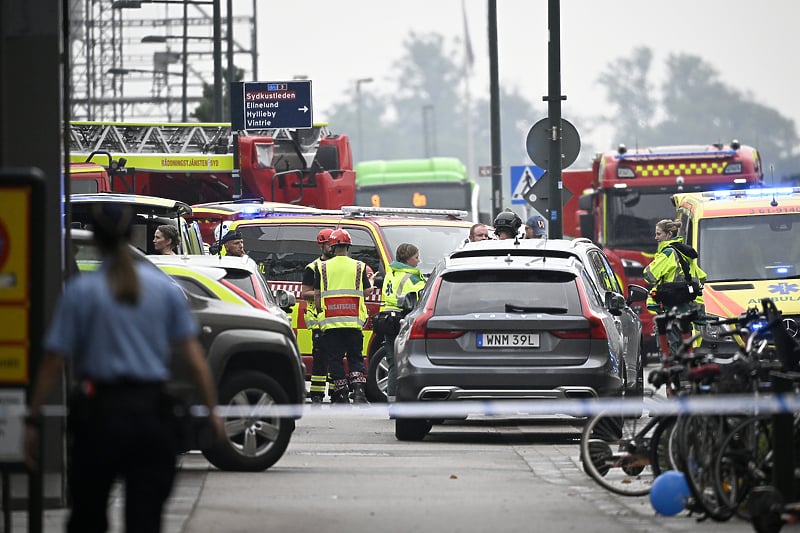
x=359 y=118
x=217 y=24
x=429 y=129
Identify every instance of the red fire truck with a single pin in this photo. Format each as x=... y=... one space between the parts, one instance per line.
x=195 y=163
x=628 y=191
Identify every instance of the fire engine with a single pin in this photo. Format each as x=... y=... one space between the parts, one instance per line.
x=197 y=163
x=628 y=191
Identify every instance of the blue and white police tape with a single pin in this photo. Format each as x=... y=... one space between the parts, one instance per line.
x=740 y=404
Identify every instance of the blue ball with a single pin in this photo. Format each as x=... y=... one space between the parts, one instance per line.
x=669 y=492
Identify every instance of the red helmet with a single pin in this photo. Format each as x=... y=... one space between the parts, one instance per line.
x=340 y=236
x=324 y=236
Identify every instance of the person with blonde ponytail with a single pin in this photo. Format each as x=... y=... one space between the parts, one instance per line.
x=119 y=326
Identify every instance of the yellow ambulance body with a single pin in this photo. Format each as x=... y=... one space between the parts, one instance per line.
x=748 y=242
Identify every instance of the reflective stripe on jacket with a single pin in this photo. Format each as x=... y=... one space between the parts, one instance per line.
x=313 y=315
x=342 y=294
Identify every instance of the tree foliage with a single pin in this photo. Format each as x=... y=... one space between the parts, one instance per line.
x=431 y=74
x=695 y=107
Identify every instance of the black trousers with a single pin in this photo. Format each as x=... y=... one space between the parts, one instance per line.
x=338 y=342
x=122 y=432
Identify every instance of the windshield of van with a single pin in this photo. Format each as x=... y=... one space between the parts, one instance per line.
x=434 y=241
x=749 y=247
x=632 y=215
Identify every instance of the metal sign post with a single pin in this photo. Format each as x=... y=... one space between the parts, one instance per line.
x=22 y=313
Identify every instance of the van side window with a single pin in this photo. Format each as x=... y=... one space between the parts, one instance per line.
x=363 y=248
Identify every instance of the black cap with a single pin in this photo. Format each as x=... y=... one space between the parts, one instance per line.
x=233 y=235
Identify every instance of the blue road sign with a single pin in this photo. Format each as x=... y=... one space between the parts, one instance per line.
x=274 y=104
x=523 y=178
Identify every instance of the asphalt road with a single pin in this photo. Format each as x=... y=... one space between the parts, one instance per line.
x=351 y=474
x=345 y=471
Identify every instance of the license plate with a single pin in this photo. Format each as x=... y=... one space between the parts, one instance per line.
x=508 y=340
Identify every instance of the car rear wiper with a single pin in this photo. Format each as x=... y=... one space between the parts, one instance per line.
x=513 y=308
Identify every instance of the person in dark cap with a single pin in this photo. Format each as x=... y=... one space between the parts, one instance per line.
x=233 y=243
x=119 y=326
x=535 y=227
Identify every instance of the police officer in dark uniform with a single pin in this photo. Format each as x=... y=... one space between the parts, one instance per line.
x=506 y=225
x=119 y=326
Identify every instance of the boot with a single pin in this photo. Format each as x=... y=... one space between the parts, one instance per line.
x=340 y=397
x=316 y=400
x=359 y=396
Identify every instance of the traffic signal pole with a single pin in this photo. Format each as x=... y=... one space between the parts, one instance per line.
x=554 y=113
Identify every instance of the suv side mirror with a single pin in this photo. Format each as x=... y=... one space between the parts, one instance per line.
x=407 y=301
x=636 y=293
x=615 y=303
x=285 y=300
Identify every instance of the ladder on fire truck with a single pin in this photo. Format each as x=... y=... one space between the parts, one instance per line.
x=179 y=138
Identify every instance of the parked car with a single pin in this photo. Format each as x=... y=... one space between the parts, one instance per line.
x=253 y=356
x=239 y=274
x=151 y=212
x=284 y=245
x=521 y=320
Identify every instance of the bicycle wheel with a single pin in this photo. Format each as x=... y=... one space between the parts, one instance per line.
x=744 y=461
x=615 y=452
x=699 y=443
x=662 y=450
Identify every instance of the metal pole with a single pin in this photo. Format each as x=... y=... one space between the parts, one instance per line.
x=360 y=124
x=217 y=21
x=554 y=113
x=254 y=42
x=185 y=80
x=231 y=74
x=494 y=111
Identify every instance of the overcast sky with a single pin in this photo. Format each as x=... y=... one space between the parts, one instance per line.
x=753 y=46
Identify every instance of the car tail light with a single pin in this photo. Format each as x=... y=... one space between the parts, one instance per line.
x=419 y=328
x=596 y=328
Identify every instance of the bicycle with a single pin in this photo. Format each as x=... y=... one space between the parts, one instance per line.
x=623 y=453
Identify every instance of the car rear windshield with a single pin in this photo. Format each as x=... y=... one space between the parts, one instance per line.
x=542 y=291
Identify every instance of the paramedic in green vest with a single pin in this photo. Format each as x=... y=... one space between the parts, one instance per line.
x=666 y=267
x=402 y=278
x=340 y=289
x=319 y=366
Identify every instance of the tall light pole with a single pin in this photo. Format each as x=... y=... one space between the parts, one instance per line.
x=358 y=112
x=429 y=129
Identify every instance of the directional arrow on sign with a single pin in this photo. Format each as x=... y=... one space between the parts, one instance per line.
x=304 y=109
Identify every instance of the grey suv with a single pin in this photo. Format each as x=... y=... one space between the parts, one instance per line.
x=520 y=320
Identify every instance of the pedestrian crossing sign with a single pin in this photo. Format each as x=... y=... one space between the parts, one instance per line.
x=523 y=177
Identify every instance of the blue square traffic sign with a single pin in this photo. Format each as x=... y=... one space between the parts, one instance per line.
x=522 y=179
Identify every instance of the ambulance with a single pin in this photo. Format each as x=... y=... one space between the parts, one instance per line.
x=748 y=242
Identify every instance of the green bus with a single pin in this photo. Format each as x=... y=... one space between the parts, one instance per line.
x=434 y=183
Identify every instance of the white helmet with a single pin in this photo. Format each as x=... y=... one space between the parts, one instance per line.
x=221 y=229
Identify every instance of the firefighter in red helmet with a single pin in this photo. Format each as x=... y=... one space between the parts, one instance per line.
x=341 y=285
x=319 y=366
